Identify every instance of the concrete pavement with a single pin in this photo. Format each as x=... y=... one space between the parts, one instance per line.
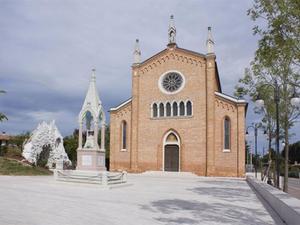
x=152 y=199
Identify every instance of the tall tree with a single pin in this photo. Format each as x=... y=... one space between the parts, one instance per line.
x=2 y=116
x=277 y=59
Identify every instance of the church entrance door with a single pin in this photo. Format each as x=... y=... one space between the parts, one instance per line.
x=171 y=158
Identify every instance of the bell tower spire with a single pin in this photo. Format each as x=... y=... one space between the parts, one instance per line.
x=210 y=42
x=172 y=31
x=137 y=53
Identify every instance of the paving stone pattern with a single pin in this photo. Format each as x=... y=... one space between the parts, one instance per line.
x=151 y=199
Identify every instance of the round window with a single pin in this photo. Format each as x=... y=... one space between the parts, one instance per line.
x=172 y=82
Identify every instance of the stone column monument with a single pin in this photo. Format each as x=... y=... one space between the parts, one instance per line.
x=89 y=155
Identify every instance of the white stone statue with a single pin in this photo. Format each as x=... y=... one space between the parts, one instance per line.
x=210 y=42
x=45 y=134
x=172 y=31
x=91 y=156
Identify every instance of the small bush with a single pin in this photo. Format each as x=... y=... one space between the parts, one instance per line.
x=13 y=152
x=3 y=150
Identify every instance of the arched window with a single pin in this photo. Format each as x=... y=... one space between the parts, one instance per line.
x=168 y=109
x=154 y=108
x=181 y=109
x=227 y=133
x=161 y=110
x=175 y=109
x=124 y=135
x=189 y=108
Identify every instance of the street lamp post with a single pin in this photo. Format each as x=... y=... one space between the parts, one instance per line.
x=295 y=101
x=255 y=127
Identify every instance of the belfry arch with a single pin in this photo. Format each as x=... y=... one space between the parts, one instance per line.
x=171 y=152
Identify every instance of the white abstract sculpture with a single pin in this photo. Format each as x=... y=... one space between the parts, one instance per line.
x=45 y=135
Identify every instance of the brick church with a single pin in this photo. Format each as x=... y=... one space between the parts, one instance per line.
x=178 y=119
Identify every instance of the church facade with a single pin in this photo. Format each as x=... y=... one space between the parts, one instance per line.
x=178 y=119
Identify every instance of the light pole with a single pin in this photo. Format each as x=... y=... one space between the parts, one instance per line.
x=295 y=101
x=255 y=126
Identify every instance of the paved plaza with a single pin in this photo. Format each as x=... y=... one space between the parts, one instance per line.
x=150 y=199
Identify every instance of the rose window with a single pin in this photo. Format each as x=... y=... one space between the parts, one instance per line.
x=172 y=81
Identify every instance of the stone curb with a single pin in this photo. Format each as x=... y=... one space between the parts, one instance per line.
x=287 y=207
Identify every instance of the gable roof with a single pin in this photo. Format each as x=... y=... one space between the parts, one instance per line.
x=196 y=54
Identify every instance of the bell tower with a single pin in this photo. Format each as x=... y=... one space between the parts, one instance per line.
x=89 y=155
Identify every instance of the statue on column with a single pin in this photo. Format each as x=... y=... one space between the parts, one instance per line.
x=172 y=31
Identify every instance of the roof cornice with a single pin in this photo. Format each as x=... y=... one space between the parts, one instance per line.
x=121 y=105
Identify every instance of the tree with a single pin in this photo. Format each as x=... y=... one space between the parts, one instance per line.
x=294 y=153
x=2 y=116
x=71 y=145
x=276 y=59
x=19 y=139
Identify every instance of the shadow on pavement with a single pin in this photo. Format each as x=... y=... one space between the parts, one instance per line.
x=178 y=211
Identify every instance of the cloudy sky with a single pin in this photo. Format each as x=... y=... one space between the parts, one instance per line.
x=48 y=49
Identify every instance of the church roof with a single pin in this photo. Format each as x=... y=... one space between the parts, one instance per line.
x=230 y=98
x=197 y=54
x=233 y=99
x=4 y=137
x=121 y=105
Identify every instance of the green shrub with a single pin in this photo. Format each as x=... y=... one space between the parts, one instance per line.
x=42 y=158
x=3 y=150
x=13 y=152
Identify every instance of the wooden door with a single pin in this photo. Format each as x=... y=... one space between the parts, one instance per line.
x=172 y=158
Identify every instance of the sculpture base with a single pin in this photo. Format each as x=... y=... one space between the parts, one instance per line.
x=88 y=159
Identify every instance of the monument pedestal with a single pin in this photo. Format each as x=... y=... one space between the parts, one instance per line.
x=90 y=159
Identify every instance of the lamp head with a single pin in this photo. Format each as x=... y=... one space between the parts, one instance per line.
x=259 y=102
x=295 y=100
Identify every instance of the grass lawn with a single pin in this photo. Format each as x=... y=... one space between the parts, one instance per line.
x=12 y=167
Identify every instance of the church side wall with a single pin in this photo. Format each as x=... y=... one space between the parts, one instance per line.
x=229 y=163
x=120 y=159
x=210 y=113
x=241 y=140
